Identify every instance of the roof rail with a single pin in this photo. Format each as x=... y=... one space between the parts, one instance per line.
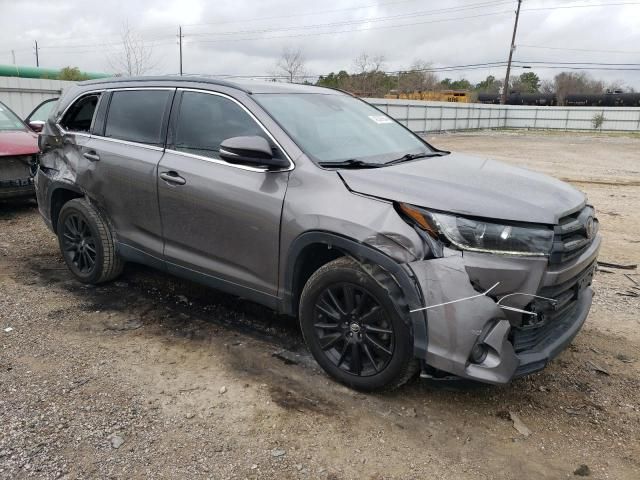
x=166 y=78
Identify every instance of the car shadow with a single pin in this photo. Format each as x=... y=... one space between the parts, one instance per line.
x=11 y=207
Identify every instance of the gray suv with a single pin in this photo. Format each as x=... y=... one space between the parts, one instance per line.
x=395 y=256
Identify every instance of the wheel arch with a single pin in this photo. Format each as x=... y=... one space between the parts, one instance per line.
x=61 y=194
x=311 y=250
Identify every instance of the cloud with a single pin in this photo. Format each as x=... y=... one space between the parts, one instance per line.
x=83 y=33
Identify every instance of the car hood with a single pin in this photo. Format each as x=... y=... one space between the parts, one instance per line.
x=18 y=142
x=470 y=186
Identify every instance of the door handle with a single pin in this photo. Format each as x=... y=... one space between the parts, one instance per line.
x=173 y=178
x=93 y=156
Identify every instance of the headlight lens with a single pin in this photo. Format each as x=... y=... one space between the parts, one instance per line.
x=481 y=236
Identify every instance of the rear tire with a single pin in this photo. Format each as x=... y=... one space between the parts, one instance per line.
x=86 y=243
x=350 y=323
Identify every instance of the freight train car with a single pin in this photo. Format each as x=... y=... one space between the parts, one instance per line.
x=457 y=96
x=571 y=100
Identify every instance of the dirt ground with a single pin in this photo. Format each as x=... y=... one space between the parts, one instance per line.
x=151 y=376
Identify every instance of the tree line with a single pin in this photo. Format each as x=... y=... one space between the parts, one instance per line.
x=370 y=79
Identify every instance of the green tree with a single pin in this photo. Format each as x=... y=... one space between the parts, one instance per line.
x=462 y=84
x=489 y=85
x=72 y=73
x=528 y=82
x=334 y=80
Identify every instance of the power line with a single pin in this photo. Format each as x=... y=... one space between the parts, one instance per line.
x=336 y=32
x=449 y=9
x=302 y=27
x=399 y=25
x=562 y=7
x=365 y=20
x=590 y=50
x=578 y=63
x=450 y=68
x=565 y=67
x=353 y=22
x=318 y=12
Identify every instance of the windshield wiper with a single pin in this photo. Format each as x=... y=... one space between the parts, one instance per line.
x=413 y=156
x=351 y=163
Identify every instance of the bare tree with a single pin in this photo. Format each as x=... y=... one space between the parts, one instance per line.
x=418 y=78
x=366 y=63
x=135 y=57
x=570 y=82
x=361 y=62
x=547 y=86
x=291 y=63
x=369 y=72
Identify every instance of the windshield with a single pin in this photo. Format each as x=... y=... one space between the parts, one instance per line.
x=8 y=120
x=338 y=128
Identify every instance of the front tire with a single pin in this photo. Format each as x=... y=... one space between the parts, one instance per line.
x=86 y=243
x=351 y=325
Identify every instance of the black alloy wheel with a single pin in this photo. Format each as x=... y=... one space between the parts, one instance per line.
x=78 y=244
x=353 y=329
x=87 y=243
x=353 y=322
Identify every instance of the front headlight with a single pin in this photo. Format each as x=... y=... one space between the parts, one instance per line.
x=481 y=236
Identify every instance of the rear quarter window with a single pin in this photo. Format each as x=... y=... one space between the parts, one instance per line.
x=79 y=116
x=137 y=116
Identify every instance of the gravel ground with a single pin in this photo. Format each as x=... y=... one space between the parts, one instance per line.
x=151 y=376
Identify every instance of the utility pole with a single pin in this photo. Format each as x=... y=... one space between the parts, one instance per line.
x=13 y=56
x=37 y=58
x=505 y=87
x=180 y=43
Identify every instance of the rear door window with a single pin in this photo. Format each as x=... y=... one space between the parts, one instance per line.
x=80 y=115
x=138 y=116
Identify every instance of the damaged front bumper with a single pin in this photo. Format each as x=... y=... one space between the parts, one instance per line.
x=470 y=335
x=16 y=176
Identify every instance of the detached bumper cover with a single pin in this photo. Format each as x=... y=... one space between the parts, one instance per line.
x=453 y=329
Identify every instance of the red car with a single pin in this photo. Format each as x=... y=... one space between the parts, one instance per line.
x=19 y=149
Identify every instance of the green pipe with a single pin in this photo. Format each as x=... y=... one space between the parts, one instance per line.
x=38 y=72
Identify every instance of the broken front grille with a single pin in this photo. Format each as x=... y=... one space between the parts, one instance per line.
x=552 y=318
x=573 y=235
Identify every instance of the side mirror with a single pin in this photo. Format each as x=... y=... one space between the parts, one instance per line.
x=36 y=125
x=252 y=150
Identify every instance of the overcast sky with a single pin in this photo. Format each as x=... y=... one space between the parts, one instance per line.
x=229 y=37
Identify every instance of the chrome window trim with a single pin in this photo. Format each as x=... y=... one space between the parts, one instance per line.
x=127 y=142
x=255 y=119
x=64 y=112
x=178 y=152
x=222 y=162
x=119 y=89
